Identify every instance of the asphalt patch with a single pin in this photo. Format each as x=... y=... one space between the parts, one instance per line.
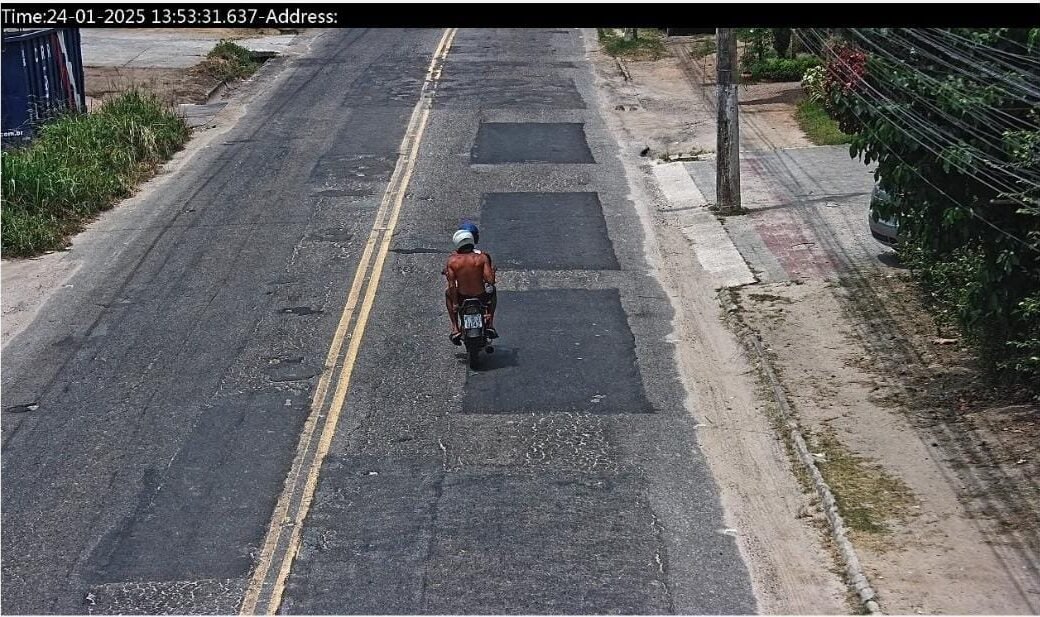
x=570 y=351
x=530 y=142
x=399 y=535
x=547 y=231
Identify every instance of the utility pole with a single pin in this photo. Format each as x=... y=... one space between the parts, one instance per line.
x=727 y=152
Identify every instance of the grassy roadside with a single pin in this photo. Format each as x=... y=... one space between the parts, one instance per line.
x=818 y=126
x=704 y=47
x=79 y=165
x=648 y=45
x=227 y=61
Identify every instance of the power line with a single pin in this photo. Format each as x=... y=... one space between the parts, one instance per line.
x=928 y=131
x=939 y=83
x=1032 y=59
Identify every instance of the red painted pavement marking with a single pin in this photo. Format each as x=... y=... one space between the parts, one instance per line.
x=787 y=237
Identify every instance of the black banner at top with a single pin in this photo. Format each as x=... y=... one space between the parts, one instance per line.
x=679 y=16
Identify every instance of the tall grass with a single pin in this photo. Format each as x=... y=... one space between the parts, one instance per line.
x=79 y=165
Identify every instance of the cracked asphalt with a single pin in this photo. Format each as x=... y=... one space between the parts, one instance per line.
x=172 y=376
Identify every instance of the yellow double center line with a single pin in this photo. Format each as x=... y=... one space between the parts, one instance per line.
x=282 y=542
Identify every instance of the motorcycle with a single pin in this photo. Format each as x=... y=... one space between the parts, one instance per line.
x=472 y=317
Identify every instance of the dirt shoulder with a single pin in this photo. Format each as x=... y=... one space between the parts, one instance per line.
x=934 y=473
x=173 y=85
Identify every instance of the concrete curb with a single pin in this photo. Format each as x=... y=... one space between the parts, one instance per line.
x=216 y=91
x=855 y=577
x=624 y=69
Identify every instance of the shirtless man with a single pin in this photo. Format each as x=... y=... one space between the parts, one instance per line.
x=470 y=275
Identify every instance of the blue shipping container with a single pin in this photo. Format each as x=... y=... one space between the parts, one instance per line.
x=42 y=75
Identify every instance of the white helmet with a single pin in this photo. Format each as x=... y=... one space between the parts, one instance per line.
x=462 y=238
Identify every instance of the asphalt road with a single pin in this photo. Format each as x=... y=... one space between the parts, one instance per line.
x=173 y=377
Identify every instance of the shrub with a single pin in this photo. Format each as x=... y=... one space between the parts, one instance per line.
x=782 y=69
x=962 y=149
x=648 y=44
x=228 y=60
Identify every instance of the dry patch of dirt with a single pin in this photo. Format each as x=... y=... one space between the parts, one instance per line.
x=766 y=109
x=172 y=85
x=669 y=104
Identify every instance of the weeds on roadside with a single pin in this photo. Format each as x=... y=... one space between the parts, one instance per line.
x=818 y=126
x=227 y=61
x=80 y=164
x=867 y=496
x=704 y=47
x=648 y=44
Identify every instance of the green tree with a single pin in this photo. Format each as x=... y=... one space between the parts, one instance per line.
x=951 y=118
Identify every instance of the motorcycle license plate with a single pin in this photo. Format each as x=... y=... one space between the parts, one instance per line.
x=472 y=321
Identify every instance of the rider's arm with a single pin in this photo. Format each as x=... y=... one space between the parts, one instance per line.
x=489 y=270
x=453 y=286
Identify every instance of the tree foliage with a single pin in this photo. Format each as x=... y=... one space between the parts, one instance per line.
x=952 y=119
x=781 y=41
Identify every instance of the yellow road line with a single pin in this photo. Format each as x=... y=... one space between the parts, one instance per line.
x=278 y=548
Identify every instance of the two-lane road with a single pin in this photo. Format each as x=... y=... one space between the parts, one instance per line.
x=176 y=375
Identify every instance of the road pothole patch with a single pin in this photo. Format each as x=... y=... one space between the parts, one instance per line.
x=573 y=352
x=577 y=239
x=531 y=142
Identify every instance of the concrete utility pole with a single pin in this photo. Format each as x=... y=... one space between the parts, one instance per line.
x=727 y=152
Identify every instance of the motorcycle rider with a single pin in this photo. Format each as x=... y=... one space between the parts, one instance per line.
x=470 y=274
